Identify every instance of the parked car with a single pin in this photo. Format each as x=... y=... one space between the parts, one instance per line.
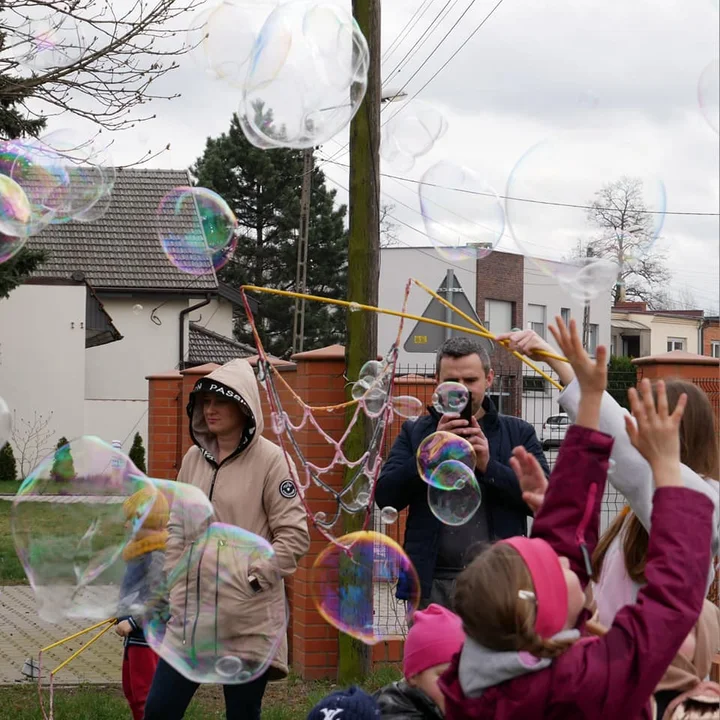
x=553 y=430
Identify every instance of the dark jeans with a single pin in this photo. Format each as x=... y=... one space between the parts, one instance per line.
x=171 y=694
x=441 y=593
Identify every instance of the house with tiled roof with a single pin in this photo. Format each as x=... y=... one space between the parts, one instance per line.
x=106 y=310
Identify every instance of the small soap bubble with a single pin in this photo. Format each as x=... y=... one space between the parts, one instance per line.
x=363 y=499
x=450 y=397
x=441 y=447
x=388 y=515
x=369 y=563
x=463 y=216
x=354 y=307
x=320 y=517
x=208 y=589
x=407 y=406
x=412 y=131
x=5 y=423
x=197 y=229
x=278 y=422
x=137 y=309
x=457 y=505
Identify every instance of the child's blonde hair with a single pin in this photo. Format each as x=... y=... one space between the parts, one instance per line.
x=488 y=600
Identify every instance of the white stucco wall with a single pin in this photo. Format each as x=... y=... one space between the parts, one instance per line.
x=116 y=390
x=663 y=328
x=397 y=265
x=42 y=356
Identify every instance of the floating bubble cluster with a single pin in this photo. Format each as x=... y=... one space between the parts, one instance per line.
x=5 y=423
x=372 y=387
x=208 y=589
x=197 y=230
x=439 y=448
x=579 y=215
x=450 y=397
x=411 y=132
x=307 y=75
x=348 y=578
x=463 y=216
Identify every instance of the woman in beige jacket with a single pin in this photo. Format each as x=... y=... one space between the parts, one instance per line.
x=248 y=480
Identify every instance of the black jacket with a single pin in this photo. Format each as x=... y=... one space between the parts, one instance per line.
x=400 y=486
x=402 y=702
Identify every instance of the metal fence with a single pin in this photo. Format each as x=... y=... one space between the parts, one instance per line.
x=516 y=390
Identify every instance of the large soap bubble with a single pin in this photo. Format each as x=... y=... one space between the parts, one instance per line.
x=363 y=571
x=69 y=526
x=307 y=76
x=463 y=216
x=196 y=228
x=52 y=42
x=440 y=448
x=217 y=628
x=457 y=504
x=15 y=209
x=411 y=131
x=585 y=203
x=709 y=94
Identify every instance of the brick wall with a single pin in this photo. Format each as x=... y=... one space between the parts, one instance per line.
x=501 y=276
x=710 y=333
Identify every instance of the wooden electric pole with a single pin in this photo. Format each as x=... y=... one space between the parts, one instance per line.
x=363 y=279
x=302 y=252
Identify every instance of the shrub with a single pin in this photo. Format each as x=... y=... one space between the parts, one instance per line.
x=63 y=467
x=8 y=468
x=137 y=453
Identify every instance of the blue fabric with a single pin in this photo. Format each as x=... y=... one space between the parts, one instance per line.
x=400 y=486
x=351 y=704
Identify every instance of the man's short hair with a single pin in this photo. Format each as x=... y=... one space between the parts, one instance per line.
x=462 y=346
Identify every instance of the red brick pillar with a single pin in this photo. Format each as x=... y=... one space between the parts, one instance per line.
x=164 y=416
x=319 y=381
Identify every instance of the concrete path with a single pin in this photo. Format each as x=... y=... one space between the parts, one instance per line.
x=23 y=633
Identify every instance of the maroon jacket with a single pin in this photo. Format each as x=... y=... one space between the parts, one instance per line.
x=613 y=676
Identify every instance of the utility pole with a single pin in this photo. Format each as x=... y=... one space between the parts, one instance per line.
x=302 y=251
x=363 y=280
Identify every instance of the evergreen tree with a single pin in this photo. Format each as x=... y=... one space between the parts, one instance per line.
x=63 y=467
x=15 y=124
x=263 y=189
x=137 y=452
x=8 y=468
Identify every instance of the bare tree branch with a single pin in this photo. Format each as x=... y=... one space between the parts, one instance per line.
x=388 y=228
x=112 y=52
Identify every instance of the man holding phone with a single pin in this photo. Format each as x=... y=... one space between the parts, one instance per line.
x=439 y=552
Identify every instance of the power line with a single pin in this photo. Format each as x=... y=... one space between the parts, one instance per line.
x=416 y=16
x=534 y=201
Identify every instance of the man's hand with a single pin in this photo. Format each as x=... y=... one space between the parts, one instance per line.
x=472 y=432
x=123 y=628
x=533 y=482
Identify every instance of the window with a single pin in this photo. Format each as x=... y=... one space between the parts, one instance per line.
x=565 y=315
x=536 y=315
x=592 y=338
x=498 y=316
x=534 y=384
x=675 y=344
x=715 y=348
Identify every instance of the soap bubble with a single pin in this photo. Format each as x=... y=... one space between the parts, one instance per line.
x=5 y=423
x=137 y=309
x=411 y=132
x=388 y=515
x=407 y=406
x=551 y=218
x=457 y=505
x=69 y=526
x=10 y=246
x=709 y=94
x=229 y=32
x=373 y=567
x=307 y=75
x=197 y=229
x=450 y=397
x=53 y=42
x=15 y=212
x=463 y=216
x=204 y=633
x=439 y=448
x=372 y=386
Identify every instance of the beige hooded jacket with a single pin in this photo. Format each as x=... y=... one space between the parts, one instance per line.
x=252 y=489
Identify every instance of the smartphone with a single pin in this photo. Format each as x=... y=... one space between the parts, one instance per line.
x=467 y=412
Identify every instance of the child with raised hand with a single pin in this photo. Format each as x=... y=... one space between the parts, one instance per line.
x=522 y=600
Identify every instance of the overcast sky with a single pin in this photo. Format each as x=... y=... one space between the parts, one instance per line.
x=561 y=73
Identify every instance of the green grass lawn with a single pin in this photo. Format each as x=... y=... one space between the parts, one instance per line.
x=291 y=700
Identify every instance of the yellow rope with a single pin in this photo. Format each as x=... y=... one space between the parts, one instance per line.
x=474 y=322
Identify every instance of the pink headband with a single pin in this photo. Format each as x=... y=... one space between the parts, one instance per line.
x=549 y=581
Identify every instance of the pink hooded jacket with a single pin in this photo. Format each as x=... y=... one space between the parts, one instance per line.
x=597 y=678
